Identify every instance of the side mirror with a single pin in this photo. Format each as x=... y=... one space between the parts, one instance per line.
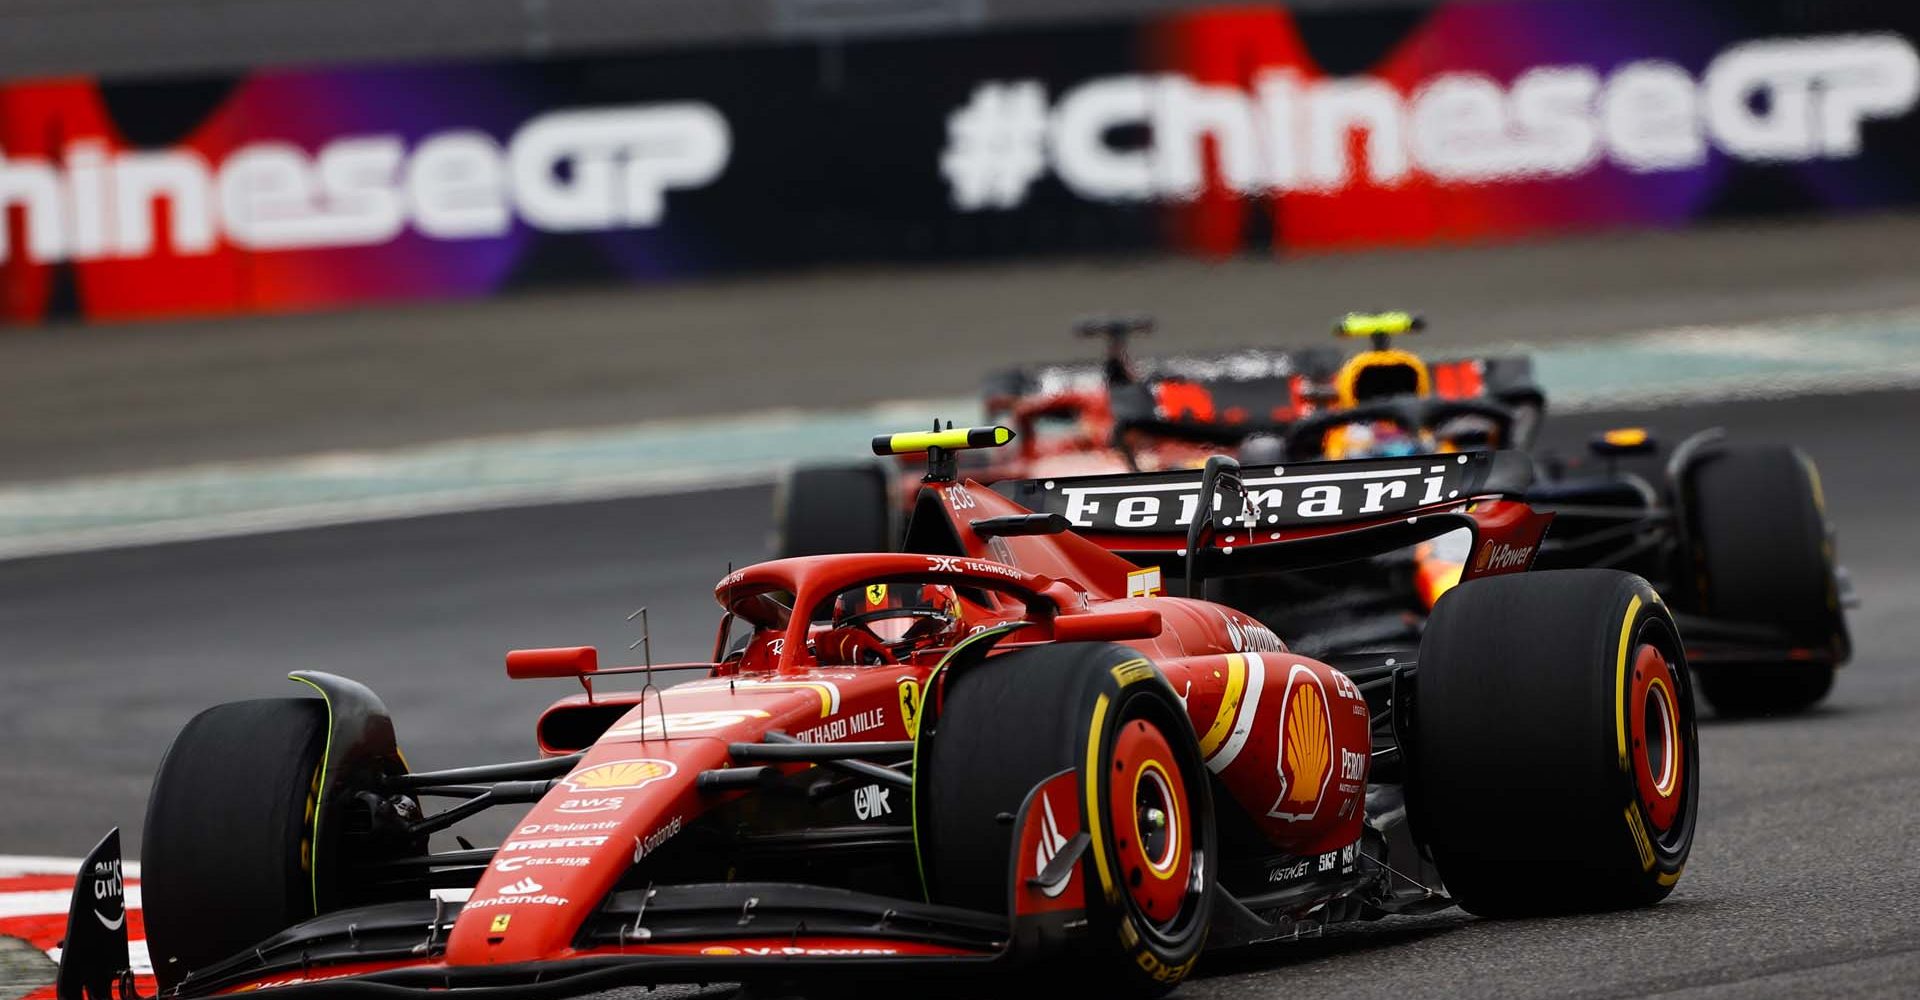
x=1107 y=626
x=1014 y=525
x=1623 y=441
x=562 y=661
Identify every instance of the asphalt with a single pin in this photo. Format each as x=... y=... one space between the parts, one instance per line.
x=89 y=400
x=1803 y=877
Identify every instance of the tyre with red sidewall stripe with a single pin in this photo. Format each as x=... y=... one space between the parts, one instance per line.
x=1553 y=760
x=1106 y=712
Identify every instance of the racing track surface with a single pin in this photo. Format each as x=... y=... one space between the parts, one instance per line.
x=105 y=399
x=1802 y=882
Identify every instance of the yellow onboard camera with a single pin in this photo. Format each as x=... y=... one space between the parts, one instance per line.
x=951 y=439
x=1382 y=371
x=940 y=446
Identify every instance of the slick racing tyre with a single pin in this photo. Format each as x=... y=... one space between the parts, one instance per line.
x=227 y=853
x=823 y=509
x=1105 y=713
x=1553 y=762
x=1762 y=554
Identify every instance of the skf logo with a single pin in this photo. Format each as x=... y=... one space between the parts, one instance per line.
x=1306 y=747
x=876 y=594
x=619 y=775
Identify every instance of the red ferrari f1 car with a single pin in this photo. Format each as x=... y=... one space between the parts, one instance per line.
x=1001 y=749
x=1734 y=535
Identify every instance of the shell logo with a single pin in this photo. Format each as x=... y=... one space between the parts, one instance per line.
x=619 y=775
x=719 y=949
x=1306 y=747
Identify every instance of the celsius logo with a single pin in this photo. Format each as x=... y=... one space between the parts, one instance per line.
x=566 y=171
x=1777 y=100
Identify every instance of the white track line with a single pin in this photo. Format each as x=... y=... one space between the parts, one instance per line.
x=137 y=956
x=49 y=902
x=17 y=865
x=327 y=515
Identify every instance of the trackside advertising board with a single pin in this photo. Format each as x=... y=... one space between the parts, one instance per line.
x=1247 y=129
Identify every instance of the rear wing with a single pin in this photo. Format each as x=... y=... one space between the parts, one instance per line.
x=1223 y=398
x=1225 y=519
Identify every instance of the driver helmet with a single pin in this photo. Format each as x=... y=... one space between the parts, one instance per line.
x=927 y=615
x=1371 y=439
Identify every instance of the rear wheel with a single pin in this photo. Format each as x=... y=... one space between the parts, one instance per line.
x=1106 y=713
x=1742 y=691
x=825 y=509
x=1554 y=765
x=1762 y=555
x=227 y=855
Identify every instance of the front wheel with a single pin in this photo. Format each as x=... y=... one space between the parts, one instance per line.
x=1762 y=554
x=825 y=509
x=227 y=854
x=1105 y=713
x=1553 y=761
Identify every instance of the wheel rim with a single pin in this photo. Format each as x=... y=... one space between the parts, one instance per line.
x=1659 y=758
x=1151 y=815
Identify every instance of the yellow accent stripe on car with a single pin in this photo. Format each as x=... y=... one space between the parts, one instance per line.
x=1229 y=706
x=1095 y=730
x=1620 y=683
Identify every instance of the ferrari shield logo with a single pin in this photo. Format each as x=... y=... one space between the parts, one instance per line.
x=500 y=923
x=876 y=594
x=910 y=705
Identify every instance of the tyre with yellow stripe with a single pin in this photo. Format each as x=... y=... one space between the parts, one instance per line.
x=1105 y=712
x=1762 y=553
x=227 y=853
x=1553 y=764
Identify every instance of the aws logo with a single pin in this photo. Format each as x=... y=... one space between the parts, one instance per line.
x=1306 y=747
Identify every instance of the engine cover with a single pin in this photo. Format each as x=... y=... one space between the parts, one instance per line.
x=1288 y=736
